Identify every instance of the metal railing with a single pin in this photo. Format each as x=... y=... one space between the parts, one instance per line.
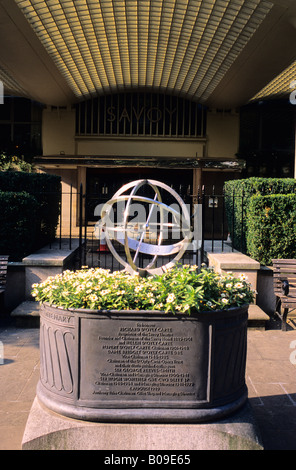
x=75 y=230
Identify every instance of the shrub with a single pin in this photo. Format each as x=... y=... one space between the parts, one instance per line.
x=237 y=198
x=46 y=189
x=271 y=223
x=18 y=224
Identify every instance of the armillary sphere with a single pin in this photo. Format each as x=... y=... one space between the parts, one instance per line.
x=133 y=234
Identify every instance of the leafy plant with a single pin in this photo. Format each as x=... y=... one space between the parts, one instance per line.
x=245 y=224
x=180 y=290
x=272 y=227
x=18 y=223
x=46 y=189
x=14 y=163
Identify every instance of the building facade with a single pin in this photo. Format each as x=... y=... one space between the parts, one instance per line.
x=103 y=143
x=183 y=91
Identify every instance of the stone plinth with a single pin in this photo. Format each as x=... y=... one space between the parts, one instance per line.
x=48 y=261
x=46 y=430
x=237 y=263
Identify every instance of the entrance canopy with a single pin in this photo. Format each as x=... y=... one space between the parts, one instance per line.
x=221 y=53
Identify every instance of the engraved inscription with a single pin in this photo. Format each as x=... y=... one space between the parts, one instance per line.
x=57 y=317
x=145 y=360
x=136 y=360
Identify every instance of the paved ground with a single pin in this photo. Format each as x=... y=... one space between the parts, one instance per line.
x=271 y=379
x=19 y=373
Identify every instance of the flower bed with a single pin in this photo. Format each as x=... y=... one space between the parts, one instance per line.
x=180 y=290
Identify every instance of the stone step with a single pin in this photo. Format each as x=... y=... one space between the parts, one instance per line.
x=27 y=313
x=257 y=317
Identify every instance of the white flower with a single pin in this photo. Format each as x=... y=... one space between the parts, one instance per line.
x=239 y=285
x=170 y=298
x=225 y=301
x=79 y=288
x=105 y=292
x=242 y=277
x=93 y=297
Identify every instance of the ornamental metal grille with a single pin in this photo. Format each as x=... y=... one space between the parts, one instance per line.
x=140 y=115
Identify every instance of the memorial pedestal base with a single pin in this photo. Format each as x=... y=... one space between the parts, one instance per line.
x=46 y=430
x=141 y=366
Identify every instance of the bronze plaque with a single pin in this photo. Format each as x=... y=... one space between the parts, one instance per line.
x=143 y=362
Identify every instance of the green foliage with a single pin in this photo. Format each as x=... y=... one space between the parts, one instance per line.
x=14 y=163
x=180 y=290
x=251 y=186
x=271 y=222
x=18 y=223
x=46 y=189
x=238 y=194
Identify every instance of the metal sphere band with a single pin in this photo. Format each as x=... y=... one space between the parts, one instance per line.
x=119 y=232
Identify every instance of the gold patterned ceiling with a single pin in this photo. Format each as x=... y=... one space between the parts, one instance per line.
x=280 y=86
x=222 y=53
x=181 y=46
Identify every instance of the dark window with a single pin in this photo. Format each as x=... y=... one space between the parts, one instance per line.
x=5 y=110
x=22 y=110
x=20 y=127
x=141 y=114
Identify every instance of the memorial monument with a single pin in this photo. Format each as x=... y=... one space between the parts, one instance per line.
x=135 y=379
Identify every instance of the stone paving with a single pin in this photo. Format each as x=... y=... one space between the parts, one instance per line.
x=271 y=380
x=270 y=375
x=19 y=373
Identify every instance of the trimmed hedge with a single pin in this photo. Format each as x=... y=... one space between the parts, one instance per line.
x=237 y=199
x=271 y=222
x=46 y=189
x=18 y=224
x=258 y=185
